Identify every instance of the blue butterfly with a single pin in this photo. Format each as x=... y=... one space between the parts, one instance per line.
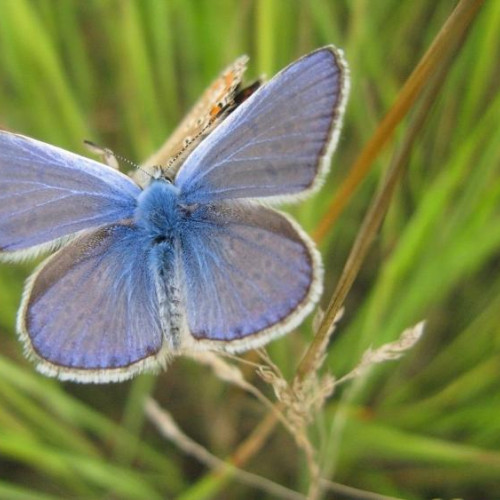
x=194 y=263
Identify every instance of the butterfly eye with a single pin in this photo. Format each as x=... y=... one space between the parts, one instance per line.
x=188 y=210
x=167 y=177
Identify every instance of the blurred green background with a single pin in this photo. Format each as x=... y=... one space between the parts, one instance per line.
x=122 y=73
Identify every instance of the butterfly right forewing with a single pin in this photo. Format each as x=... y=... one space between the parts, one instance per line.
x=277 y=144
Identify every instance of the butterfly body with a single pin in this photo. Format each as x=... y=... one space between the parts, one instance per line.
x=146 y=271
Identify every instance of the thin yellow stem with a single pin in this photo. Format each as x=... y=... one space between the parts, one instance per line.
x=455 y=25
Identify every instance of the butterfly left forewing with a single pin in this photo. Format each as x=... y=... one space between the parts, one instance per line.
x=48 y=194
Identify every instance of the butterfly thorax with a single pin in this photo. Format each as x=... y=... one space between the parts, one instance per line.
x=158 y=212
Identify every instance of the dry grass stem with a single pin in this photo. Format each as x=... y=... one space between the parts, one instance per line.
x=436 y=61
x=231 y=374
x=387 y=352
x=167 y=426
x=454 y=28
x=353 y=493
x=320 y=354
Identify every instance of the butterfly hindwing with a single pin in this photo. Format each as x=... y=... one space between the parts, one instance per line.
x=47 y=193
x=91 y=312
x=250 y=273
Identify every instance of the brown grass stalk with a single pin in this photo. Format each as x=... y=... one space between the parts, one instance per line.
x=454 y=27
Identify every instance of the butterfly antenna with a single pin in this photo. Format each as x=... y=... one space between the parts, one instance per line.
x=191 y=139
x=111 y=159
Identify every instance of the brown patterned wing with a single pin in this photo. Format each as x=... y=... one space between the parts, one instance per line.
x=218 y=100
